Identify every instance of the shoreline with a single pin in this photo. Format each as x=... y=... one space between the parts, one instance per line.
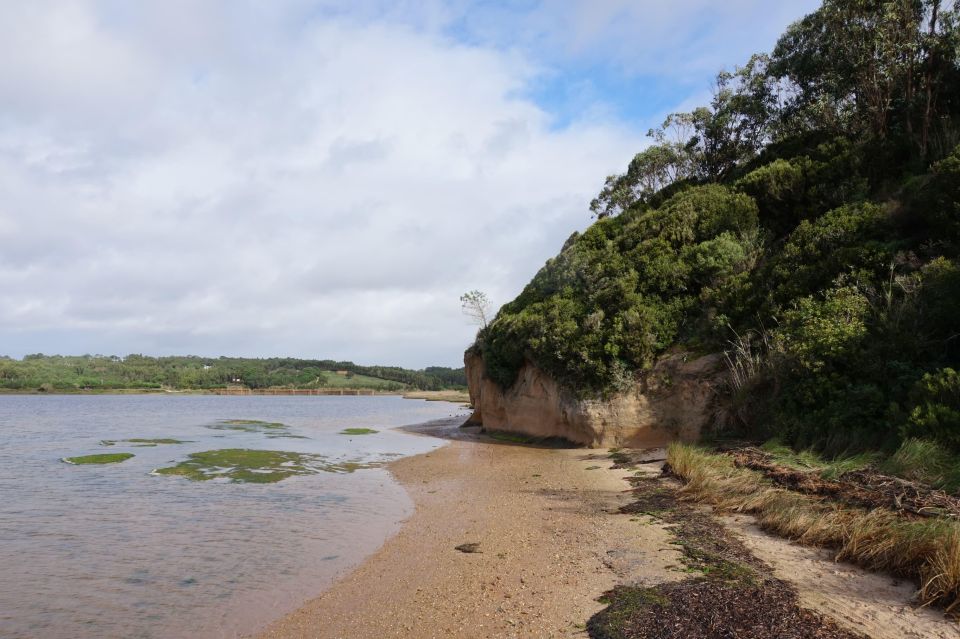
x=453 y=397
x=542 y=538
x=549 y=541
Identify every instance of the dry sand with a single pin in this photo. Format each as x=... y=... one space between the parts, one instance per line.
x=550 y=541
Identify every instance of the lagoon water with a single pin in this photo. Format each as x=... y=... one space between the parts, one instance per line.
x=114 y=551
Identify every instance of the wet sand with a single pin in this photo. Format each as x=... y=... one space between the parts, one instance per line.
x=550 y=543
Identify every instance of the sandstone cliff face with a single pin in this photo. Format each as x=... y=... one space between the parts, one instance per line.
x=671 y=402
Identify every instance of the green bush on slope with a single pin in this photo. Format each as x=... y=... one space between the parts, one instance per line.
x=619 y=294
x=798 y=215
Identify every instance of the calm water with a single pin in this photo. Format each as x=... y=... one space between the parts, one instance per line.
x=113 y=551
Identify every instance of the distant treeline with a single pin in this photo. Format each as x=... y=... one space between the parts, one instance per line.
x=101 y=372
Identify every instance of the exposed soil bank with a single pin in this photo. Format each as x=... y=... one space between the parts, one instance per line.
x=550 y=539
x=673 y=400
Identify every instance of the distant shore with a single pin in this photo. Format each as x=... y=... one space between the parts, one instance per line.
x=454 y=396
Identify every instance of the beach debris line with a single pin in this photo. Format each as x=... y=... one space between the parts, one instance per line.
x=923 y=549
x=730 y=592
x=864 y=487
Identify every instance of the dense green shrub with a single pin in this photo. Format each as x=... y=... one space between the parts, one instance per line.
x=850 y=239
x=833 y=391
x=788 y=190
x=941 y=200
x=940 y=305
x=623 y=291
x=936 y=414
x=822 y=335
x=815 y=203
x=698 y=214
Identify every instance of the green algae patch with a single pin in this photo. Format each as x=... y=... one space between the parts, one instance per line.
x=252 y=422
x=248 y=425
x=358 y=431
x=511 y=438
x=243 y=465
x=143 y=443
x=103 y=458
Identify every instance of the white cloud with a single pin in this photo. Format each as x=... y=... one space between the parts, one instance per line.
x=330 y=196
x=278 y=178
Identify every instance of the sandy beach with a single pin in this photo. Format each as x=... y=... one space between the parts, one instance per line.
x=550 y=543
x=550 y=540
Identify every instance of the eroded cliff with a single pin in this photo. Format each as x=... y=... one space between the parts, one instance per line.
x=673 y=401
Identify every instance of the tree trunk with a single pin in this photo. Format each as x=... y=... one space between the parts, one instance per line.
x=929 y=76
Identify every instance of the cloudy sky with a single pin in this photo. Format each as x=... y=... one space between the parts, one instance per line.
x=316 y=178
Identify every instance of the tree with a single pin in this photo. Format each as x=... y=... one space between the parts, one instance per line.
x=870 y=66
x=476 y=306
x=652 y=169
x=705 y=144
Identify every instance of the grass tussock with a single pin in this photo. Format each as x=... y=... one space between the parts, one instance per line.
x=810 y=460
x=927 y=550
x=926 y=462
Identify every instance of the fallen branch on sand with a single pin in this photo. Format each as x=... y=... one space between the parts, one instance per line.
x=867 y=488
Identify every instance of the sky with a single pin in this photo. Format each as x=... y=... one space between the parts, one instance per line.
x=315 y=178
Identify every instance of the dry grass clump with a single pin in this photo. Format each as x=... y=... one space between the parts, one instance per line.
x=926 y=550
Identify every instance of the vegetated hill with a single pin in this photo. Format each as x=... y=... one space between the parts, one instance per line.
x=97 y=372
x=807 y=221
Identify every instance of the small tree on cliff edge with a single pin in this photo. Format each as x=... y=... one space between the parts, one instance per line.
x=476 y=306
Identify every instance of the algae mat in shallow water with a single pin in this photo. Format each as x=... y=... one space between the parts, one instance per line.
x=358 y=431
x=272 y=430
x=247 y=425
x=140 y=442
x=105 y=458
x=257 y=466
